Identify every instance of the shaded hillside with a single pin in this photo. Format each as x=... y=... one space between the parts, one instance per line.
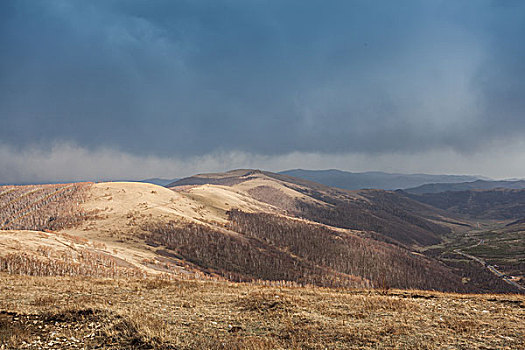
x=227 y=179
x=270 y=247
x=380 y=217
x=381 y=263
x=242 y=258
x=466 y=186
x=391 y=216
x=478 y=204
x=372 y=180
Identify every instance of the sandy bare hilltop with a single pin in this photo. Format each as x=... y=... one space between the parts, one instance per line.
x=326 y=263
x=109 y=220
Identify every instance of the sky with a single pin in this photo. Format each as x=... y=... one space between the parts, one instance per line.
x=131 y=89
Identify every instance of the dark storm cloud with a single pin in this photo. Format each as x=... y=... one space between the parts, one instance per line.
x=266 y=77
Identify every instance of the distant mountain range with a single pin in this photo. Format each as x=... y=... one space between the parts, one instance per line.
x=374 y=179
x=412 y=183
x=158 y=181
x=500 y=203
x=467 y=186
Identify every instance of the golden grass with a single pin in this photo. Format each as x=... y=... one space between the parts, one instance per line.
x=140 y=314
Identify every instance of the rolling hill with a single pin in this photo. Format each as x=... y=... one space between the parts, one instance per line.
x=388 y=215
x=244 y=225
x=134 y=265
x=380 y=215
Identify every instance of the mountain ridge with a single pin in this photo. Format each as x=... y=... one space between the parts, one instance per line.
x=373 y=179
x=242 y=225
x=465 y=186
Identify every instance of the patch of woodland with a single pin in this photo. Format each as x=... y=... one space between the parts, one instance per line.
x=42 y=207
x=241 y=257
x=392 y=223
x=382 y=263
x=257 y=246
x=81 y=262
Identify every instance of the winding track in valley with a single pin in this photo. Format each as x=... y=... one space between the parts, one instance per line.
x=491 y=268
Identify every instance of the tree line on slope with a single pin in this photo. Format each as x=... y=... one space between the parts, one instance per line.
x=269 y=247
x=395 y=227
x=379 y=262
x=42 y=207
x=241 y=258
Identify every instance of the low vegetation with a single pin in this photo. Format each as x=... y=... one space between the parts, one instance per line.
x=494 y=243
x=71 y=312
x=82 y=263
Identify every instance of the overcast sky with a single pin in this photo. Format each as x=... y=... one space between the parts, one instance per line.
x=135 y=88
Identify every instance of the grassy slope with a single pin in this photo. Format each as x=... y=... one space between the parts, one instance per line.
x=62 y=312
x=395 y=217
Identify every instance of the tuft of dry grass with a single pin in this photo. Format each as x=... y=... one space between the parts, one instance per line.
x=83 y=263
x=160 y=314
x=12 y=334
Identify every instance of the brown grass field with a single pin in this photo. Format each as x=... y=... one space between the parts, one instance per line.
x=96 y=313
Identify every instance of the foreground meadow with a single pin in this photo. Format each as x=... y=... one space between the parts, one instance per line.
x=94 y=313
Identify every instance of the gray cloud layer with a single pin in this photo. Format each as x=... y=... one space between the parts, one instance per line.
x=188 y=78
x=68 y=162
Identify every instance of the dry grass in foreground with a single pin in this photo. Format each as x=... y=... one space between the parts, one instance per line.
x=90 y=313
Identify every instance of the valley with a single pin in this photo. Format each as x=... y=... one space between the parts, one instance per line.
x=497 y=246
